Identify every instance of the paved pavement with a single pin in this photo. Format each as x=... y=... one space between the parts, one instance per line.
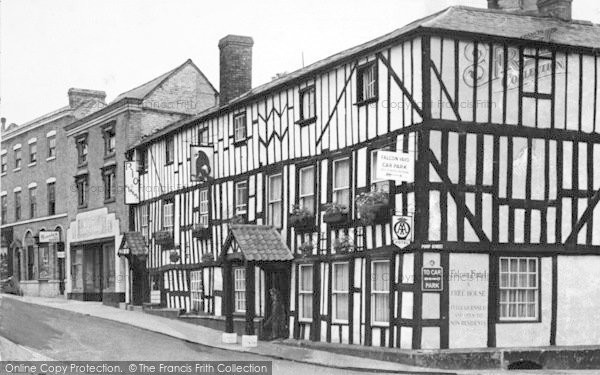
x=56 y=328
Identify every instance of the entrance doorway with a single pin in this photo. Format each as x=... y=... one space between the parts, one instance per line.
x=277 y=276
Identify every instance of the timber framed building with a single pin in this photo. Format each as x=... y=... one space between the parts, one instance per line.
x=501 y=113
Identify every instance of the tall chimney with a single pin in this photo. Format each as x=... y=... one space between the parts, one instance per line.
x=235 y=66
x=560 y=9
x=77 y=96
x=3 y=120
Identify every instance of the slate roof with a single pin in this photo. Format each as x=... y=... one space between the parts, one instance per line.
x=482 y=21
x=259 y=242
x=135 y=242
x=143 y=90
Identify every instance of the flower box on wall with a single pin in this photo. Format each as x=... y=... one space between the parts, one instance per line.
x=201 y=232
x=343 y=245
x=335 y=214
x=163 y=238
x=174 y=256
x=301 y=219
x=207 y=258
x=373 y=207
x=306 y=249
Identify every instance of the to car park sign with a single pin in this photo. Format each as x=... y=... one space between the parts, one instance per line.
x=432 y=279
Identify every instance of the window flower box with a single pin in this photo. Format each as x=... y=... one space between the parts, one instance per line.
x=201 y=232
x=343 y=245
x=174 y=256
x=373 y=207
x=306 y=249
x=301 y=219
x=335 y=214
x=238 y=219
x=163 y=238
x=207 y=258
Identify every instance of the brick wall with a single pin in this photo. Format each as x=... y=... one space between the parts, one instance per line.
x=235 y=66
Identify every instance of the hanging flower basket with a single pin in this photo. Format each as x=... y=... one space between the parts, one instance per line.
x=343 y=245
x=373 y=207
x=306 y=249
x=174 y=256
x=301 y=219
x=201 y=232
x=238 y=219
x=163 y=238
x=335 y=214
x=207 y=258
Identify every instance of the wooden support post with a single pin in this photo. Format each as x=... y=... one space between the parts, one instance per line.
x=250 y=301
x=228 y=296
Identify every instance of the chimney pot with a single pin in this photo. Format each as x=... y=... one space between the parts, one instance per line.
x=235 y=67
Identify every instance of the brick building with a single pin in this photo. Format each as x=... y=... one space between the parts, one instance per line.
x=98 y=144
x=34 y=195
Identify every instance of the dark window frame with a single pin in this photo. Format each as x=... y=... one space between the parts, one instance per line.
x=32 y=202
x=51 y=192
x=360 y=99
x=169 y=150
x=82 y=191
x=81 y=143
x=4 y=163
x=305 y=91
x=4 y=208
x=142 y=160
x=17 y=196
x=109 y=179
x=109 y=132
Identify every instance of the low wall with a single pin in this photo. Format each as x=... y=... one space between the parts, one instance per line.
x=40 y=288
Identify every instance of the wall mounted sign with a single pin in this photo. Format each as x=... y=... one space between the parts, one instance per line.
x=202 y=161
x=402 y=230
x=397 y=166
x=432 y=279
x=49 y=236
x=132 y=183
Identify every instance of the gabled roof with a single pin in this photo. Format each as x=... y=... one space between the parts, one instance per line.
x=490 y=22
x=135 y=242
x=258 y=242
x=142 y=91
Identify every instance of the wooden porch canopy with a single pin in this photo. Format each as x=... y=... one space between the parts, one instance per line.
x=133 y=244
x=251 y=245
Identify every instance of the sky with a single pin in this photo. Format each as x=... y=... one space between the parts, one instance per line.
x=47 y=47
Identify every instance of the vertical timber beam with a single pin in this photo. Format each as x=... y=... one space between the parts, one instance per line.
x=421 y=184
x=250 y=300
x=228 y=296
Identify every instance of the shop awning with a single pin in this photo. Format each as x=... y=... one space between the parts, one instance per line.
x=133 y=243
x=257 y=243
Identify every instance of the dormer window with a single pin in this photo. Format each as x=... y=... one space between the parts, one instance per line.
x=239 y=128
x=366 y=83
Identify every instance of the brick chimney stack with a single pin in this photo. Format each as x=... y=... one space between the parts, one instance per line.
x=235 y=67
x=514 y=5
x=561 y=9
x=77 y=96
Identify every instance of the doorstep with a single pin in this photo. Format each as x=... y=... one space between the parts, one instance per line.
x=562 y=357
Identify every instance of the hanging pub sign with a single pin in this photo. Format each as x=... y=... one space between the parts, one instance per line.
x=202 y=160
x=397 y=166
x=402 y=230
x=132 y=183
x=49 y=236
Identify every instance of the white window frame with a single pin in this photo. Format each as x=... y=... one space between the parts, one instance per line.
x=239 y=289
x=516 y=289
x=337 y=292
x=336 y=189
x=376 y=183
x=241 y=208
x=168 y=213
x=144 y=224
x=204 y=208
x=240 y=131
x=33 y=151
x=51 y=149
x=305 y=295
x=196 y=289
x=303 y=195
x=375 y=293
x=274 y=202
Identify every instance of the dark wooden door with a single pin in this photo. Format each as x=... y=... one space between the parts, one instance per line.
x=276 y=277
x=140 y=291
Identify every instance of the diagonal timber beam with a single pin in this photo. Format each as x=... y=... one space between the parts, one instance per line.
x=400 y=84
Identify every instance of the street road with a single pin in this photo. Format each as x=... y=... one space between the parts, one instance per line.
x=63 y=335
